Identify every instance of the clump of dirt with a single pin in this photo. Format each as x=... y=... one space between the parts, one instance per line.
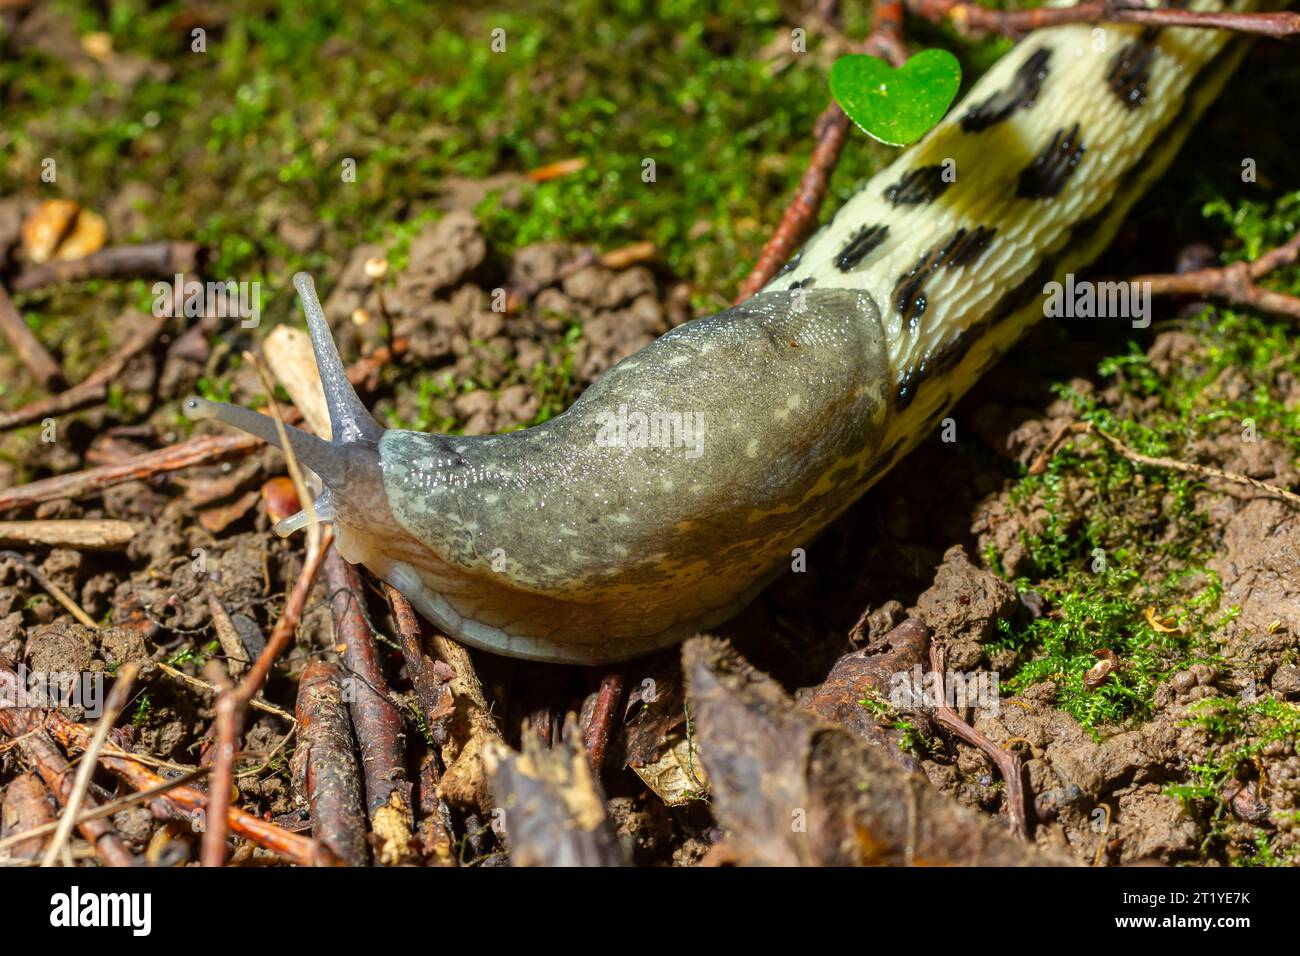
x=963 y=606
x=498 y=344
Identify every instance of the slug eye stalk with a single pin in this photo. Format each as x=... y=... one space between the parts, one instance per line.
x=355 y=431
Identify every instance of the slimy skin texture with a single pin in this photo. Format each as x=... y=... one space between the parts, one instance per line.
x=644 y=546
x=590 y=539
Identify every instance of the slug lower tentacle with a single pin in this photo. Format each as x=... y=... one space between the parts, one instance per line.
x=679 y=484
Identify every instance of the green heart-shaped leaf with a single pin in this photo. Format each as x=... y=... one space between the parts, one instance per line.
x=896 y=106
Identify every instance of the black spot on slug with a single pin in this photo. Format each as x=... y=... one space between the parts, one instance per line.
x=1085 y=229
x=864 y=241
x=1021 y=94
x=963 y=248
x=938 y=414
x=843 y=474
x=789 y=266
x=1047 y=174
x=909 y=300
x=918 y=186
x=1128 y=78
x=806 y=283
x=943 y=359
x=993 y=359
x=949 y=355
x=1130 y=69
x=966 y=247
x=906 y=391
x=1085 y=233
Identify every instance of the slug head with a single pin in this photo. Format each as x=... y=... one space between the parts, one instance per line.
x=347 y=464
x=364 y=469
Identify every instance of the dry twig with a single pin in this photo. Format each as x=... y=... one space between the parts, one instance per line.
x=188 y=801
x=1039 y=464
x=197 y=451
x=595 y=736
x=27 y=815
x=971 y=17
x=471 y=724
x=84 y=534
x=376 y=719
x=51 y=588
x=257 y=703
x=24 y=725
x=325 y=768
x=1235 y=284
x=1008 y=764
x=145 y=260
x=126 y=675
x=93 y=389
x=106 y=809
x=26 y=345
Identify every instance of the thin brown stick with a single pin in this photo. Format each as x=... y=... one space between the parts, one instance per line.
x=189 y=801
x=1008 y=764
x=1040 y=462
x=325 y=770
x=434 y=839
x=196 y=451
x=886 y=37
x=144 y=260
x=1235 y=284
x=973 y=18
x=375 y=717
x=26 y=345
x=595 y=736
x=230 y=705
x=257 y=703
x=236 y=655
x=84 y=534
x=829 y=133
x=117 y=699
x=1279 y=25
x=26 y=815
x=462 y=719
x=203 y=450
x=24 y=725
x=110 y=808
x=93 y=389
x=430 y=686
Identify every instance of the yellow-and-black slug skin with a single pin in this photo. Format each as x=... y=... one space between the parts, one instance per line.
x=556 y=543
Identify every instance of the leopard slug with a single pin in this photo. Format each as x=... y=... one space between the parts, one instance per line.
x=680 y=483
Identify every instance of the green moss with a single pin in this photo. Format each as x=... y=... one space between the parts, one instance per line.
x=1107 y=613
x=1114 y=539
x=1239 y=731
x=911 y=738
x=1111 y=538
x=143 y=709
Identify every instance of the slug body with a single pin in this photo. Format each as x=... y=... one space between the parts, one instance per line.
x=677 y=486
